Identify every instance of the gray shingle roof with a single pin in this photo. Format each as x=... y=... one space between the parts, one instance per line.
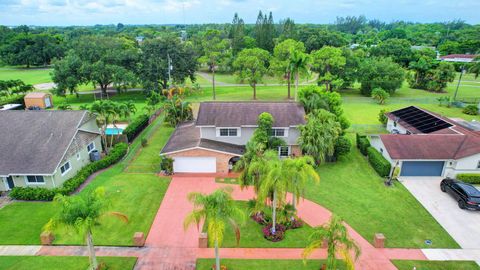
x=236 y=114
x=34 y=142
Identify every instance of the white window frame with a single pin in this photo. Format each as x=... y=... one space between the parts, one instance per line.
x=285 y=132
x=280 y=151
x=228 y=128
x=93 y=147
x=67 y=170
x=34 y=183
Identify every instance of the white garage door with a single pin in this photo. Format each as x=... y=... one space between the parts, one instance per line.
x=195 y=165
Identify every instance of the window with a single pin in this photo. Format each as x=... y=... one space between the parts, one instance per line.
x=228 y=132
x=277 y=132
x=283 y=151
x=35 y=179
x=65 y=168
x=90 y=147
x=478 y=165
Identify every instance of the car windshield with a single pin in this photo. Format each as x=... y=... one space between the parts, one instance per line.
x=470 y=190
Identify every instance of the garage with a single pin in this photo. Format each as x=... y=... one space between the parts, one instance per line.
x=422 y=168
x=195 y=165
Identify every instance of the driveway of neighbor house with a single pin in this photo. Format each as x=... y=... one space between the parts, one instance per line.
x=462 y=225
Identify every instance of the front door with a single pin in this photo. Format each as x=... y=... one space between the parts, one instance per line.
x=10 y=182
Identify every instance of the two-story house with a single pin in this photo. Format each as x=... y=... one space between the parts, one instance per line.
x=217 y=138
x=45 y=148
x=425 y=144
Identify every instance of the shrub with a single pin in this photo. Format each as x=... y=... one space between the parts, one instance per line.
x=279 y=233
x=136 y=126
x=362 y=144
x=382 y=117
x=472 y=178
x=342 y=146
x=378 y=162
x=380 y=95
x=69 y=186
x=259 y=218
x=18 y=99
x=166 y=165
x=144 y=142
x=295 y=223
x=470 y=109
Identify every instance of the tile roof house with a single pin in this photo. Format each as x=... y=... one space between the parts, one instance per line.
x=465 y=58
x=423 y=143
x=44 y=148
x=217 y=138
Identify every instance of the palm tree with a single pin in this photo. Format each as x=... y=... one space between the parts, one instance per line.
x=82 y=213
x=301 y=171
x=253 y=166
x=217 y=209
x=336 y=235
x=177 y=110
x=475 y=67
x=105 y=110
x=298 y=63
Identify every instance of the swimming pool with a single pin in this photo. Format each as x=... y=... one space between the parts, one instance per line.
x=113 y=131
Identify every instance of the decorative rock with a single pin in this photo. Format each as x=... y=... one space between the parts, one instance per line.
x=379 y=240
x=138 y=239
x=46 y=238
x=203 y=240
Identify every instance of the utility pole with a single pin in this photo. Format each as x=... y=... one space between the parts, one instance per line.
x=458 y=84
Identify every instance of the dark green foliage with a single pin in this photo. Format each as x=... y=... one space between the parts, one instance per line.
x=177 y=111
x=144 y=142
x=166 y=165
x=470 y=109
x=472 y=178
x=380 y=73
x=382 y=117
x=136 y=126
x=13 y=100
x=429 y=74
x=362 y=143
x=398 y=49
x=43 y=194
x=265 y=31
x=378 y=162
x=342 y=146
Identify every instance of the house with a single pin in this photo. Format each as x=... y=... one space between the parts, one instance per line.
x=422 y=143
x=217 y=138
x=38 y=99
x=45 y=148
x=464 y=58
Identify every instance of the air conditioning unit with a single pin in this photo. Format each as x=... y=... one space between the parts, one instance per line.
x=395 y=131
x=94 y=155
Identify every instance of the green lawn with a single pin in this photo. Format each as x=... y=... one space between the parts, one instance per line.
x=251 y=235
x=436 y=265
x=60 y=263
x=236 y=264
x=351 y=189
x=28 y=75
x=136 y=194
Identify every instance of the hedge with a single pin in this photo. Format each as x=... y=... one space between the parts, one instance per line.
x=362 y=143
x=472 y=178
x=13 y=100
x=136 y=126
x=378 y=162
x=69 y=186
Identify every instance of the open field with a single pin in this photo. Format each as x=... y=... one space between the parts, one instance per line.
x=234 y=264
x=61 y=263
x=28 y=75
x=436 y=265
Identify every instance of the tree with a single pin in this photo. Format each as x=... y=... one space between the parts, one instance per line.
x=177 y=110
x=237 y=34
x=319 y=134
x=380 y=73
x=302 y=173
x=105 y=111
x=264 y=31
x=430 y=74
x=398 y=49
x=449 y=47
x=83 y=213
x=314 y=98
x=328 y=62
x=14 y=87
x=298 y=64
x=338 y=241
x=216 y=51
x=288 y=29
x=315 y=39
x=218 y=210
x=475 y=67
x=153 y=71
x=380 y=95
x=350 y=24
x=251 y=65
x=282 y=59
x=67 y=74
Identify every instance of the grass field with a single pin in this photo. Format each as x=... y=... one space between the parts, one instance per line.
x=436 y=265
x=235 y=264
x=61 y=263
x=28 y=75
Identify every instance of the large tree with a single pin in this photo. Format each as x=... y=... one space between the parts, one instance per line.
x=252 y=65
x=154 y=62
x=380 y=73
x=282 y=56
x=237 y=34
x=264 y=31
x=398 y=49
x=329 y=62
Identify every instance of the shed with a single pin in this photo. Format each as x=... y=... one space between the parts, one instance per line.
x=38 y=99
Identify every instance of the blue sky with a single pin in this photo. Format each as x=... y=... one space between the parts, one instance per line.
x=89 y=12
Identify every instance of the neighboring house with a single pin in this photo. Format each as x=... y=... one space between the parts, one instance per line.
x=217 y=139
x=45 y=148
x=423 y=143
x=465 y=58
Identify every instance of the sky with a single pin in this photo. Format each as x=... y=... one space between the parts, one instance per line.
x=90 y=12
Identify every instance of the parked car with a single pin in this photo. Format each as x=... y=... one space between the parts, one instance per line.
x=467 y=196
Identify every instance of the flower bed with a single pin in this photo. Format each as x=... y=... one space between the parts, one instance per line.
x=259 y=218
x=279 y=232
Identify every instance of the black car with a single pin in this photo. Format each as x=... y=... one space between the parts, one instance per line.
x=467 y=196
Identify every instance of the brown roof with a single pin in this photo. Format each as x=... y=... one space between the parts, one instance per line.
x=36 y=95
x=187 y=136
x=236 y=114
x=459 y=56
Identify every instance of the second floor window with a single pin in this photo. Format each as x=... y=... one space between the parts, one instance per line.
x=277 y=132
x=228 y=132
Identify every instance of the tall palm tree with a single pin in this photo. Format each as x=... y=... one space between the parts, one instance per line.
x=301 y=171
x=475 y=67
x=82 y=213
x=253 y=166
x=217 y=209
x=336 y=235
x=298 y=63
x=177 y=110
x=105 y=110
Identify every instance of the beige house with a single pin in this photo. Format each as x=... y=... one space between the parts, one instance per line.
x=45 y=148
x=217 y=138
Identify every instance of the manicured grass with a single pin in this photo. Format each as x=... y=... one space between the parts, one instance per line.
x=60 y=263
x=226 y=180
x=251 y=235
x=351 y=189
x=436 y=265
x=28 y=75
x=237 y=264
